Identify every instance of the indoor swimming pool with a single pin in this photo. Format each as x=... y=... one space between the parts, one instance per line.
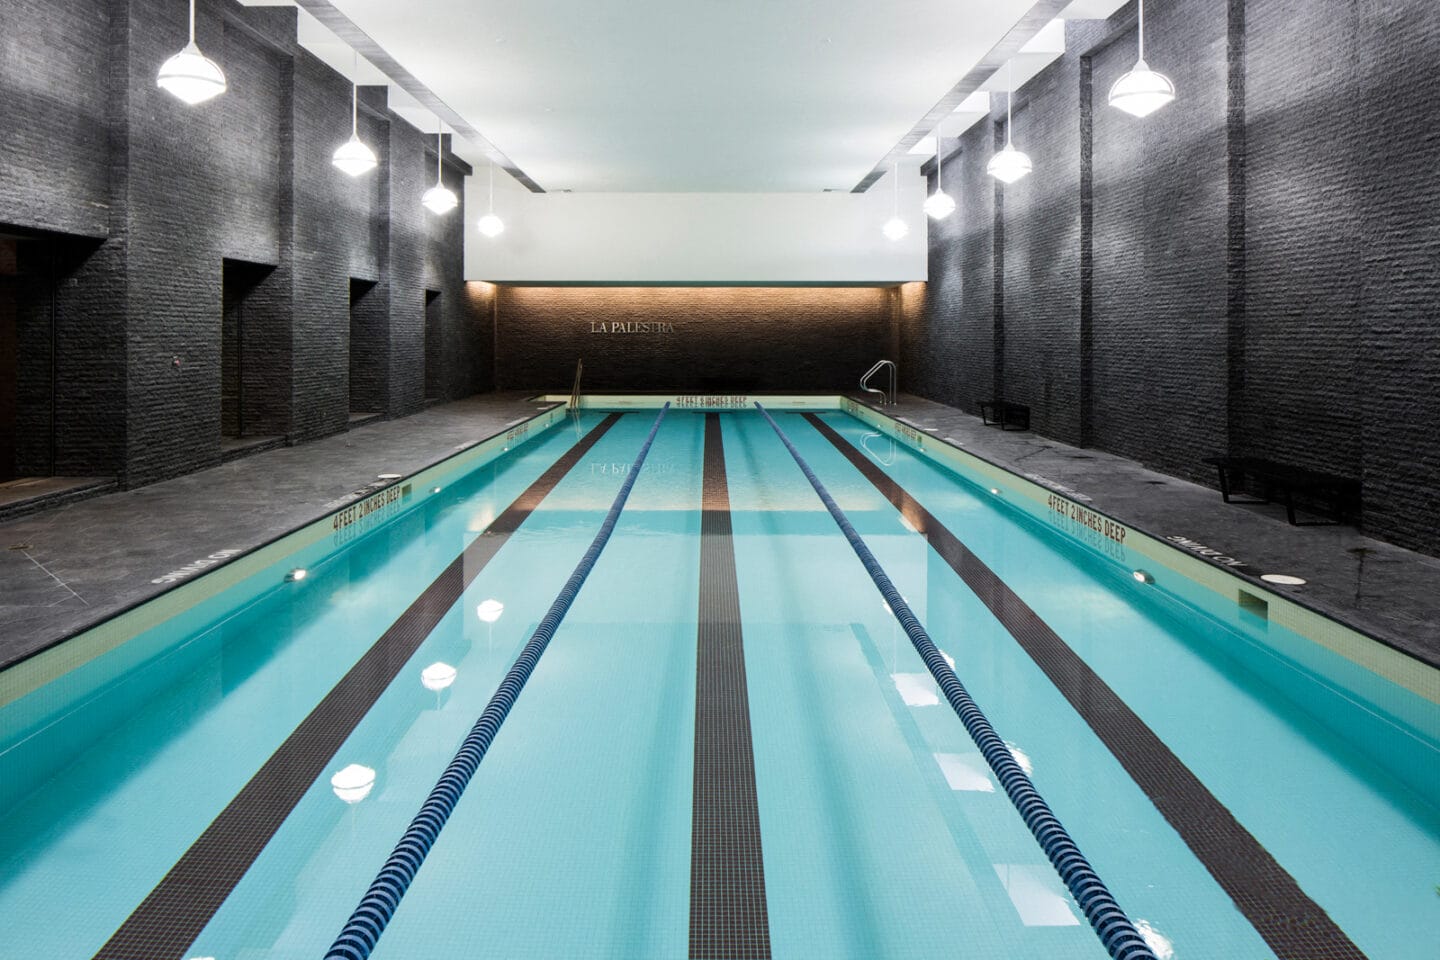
x=730 y=747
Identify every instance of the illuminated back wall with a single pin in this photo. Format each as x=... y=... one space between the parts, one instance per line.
x=733 y=339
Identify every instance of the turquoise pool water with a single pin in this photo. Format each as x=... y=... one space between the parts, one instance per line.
x=883 y=833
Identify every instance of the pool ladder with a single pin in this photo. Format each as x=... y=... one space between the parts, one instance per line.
x=885 y=400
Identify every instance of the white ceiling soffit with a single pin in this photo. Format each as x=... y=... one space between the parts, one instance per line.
x=691 y=96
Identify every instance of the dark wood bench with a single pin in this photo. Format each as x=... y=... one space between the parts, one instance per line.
x=1010 y=416
x=1280 y=482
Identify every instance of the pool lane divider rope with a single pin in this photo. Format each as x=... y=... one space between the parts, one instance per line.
x=177 y=909
x=1292 y=925
x=1110 y=923
x=362 y=931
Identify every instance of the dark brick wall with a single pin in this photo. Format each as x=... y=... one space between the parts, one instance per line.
x=724 y=339
x=54 y=156
x=1399 y=366
x=948 y=335
x=1042 y=274
x=90 y=147
x=1252 y=269
x=1158 y=305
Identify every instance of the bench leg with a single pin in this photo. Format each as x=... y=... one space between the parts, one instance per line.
x=1224 y=484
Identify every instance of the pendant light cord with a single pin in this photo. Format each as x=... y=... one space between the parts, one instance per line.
x=354 y=93
x=895 y=172
x=1009 y=102
x=1142 y=29
x=439 y=149
x=939 y=155
x=192 y=21
x=492 y=188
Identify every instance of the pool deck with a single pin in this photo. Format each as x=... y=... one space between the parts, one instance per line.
x=67 y=568
x=71 y=566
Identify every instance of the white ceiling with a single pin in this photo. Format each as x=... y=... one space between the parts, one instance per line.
x=707 y=96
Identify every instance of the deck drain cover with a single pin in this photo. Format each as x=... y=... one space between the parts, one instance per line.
x=1282 y=578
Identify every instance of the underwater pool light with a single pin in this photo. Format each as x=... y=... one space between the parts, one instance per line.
x=1143 y=576
x=299 y=573
x=490 y=610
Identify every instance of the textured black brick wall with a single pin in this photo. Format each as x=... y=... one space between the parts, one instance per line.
x=1158 y=307
x=724 y=339
x=1042 y=273
x=90 y=147
x=948 y=333
x=1400 y=278
x=1252 y=269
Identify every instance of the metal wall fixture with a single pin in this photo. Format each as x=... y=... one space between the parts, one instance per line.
x=939 y=204
x=190 y=75
x=439 y=199
x=491 y=225
x=353 y=156
x=895 y=228
x=1142 y=91
x=1009 y=165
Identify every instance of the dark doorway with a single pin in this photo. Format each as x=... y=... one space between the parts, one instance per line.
x=28 y=272
x=367 y=356
x=239 y=280
x=434 y=347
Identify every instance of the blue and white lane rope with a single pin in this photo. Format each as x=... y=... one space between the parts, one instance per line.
x=1110 y=923
x=362 y=931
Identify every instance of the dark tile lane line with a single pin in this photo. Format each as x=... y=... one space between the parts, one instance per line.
x=175 y=912
x=1293 y=925
x=728 y=916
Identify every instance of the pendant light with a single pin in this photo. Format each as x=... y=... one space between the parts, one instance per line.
x=939 y=204
x=438 y=199
x=491 y=225
x=353 y=156
x=189 y=75
x=1009 y=165
x=895 y=228
x=1142 y=91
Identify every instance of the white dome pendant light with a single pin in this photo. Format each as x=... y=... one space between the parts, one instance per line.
x=438 y=199
x=1009 y=165
x=939 y=204
x=353 y=156
x=895 y=229
x=1142 y=91
x=491 y=225
x=189 y=75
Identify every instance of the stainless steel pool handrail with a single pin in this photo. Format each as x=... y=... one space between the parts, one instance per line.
x=885 y=400
x=575 y=390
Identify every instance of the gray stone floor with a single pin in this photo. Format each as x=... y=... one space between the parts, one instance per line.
x=70 y=567
x=67 y=568
x=1382 y=590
